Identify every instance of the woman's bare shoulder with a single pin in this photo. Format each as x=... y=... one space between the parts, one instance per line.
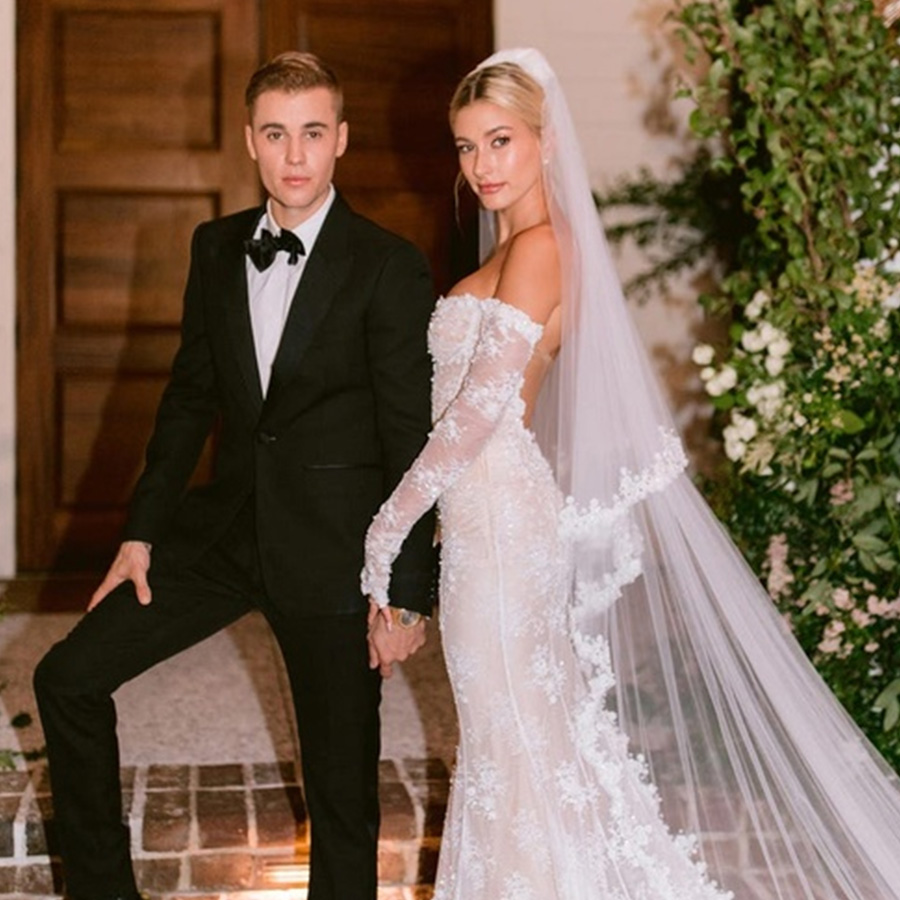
x=530 y=278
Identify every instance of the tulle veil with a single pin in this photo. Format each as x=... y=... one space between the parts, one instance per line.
x=746 y=745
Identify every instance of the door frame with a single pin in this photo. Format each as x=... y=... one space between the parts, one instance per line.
x=7 y=290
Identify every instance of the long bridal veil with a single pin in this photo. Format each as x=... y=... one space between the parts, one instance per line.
x=748 y=748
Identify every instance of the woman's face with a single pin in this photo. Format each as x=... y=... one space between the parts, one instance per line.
x=499 y=155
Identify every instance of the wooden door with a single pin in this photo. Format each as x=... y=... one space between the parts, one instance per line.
x=130 y=133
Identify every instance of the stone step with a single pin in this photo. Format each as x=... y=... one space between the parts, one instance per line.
x=225 y=830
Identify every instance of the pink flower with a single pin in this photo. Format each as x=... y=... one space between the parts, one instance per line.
x=780 y=576
x=842 y=599
x=830 y=645
x=841 y=493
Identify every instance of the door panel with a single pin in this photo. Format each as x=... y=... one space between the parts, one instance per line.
x=130 y=135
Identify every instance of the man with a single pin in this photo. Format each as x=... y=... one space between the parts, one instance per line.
x=303 y=340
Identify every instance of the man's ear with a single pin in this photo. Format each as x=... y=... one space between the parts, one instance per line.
x=343 y=135
x=248 y=137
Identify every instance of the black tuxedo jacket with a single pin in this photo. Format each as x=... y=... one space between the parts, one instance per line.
x=346 y=412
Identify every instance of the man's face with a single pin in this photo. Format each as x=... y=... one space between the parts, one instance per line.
x=295 y=139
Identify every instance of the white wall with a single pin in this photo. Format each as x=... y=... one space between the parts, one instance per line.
x=7 y=287
x=616 y=60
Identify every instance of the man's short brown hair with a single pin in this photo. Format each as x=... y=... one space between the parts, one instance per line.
x=291 y=72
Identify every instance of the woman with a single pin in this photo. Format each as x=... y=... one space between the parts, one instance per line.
x=543 y=598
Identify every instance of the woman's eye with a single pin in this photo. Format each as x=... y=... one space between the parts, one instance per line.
x=463 y=148
x=501 y=141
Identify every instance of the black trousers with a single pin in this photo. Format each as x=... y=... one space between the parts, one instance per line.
x=336 y=697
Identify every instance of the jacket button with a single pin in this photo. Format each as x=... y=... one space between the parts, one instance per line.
x=264 y=437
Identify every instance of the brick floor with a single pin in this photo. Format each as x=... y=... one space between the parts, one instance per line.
x=211 y=832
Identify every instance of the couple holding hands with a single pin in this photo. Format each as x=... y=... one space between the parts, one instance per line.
x=601 y=632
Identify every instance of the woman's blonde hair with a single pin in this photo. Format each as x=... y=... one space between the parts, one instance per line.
x=506 y=85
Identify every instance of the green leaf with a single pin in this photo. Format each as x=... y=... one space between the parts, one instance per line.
x=850 y=422
x=888 y=702
x=784 y=97
x=869 y=543
x=867 y=561
x=892 y=716
x=818 y=592
x=868 y=499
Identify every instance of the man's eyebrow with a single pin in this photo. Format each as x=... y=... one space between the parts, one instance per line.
x=305 y=127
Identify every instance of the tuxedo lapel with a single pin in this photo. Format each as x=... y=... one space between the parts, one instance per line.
x=237 y=307
x=322 y=277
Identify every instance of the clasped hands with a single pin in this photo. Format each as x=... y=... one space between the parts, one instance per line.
x=389 y=641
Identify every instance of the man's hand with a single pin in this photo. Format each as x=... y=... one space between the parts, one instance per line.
x=390 y=642
x=132 y=563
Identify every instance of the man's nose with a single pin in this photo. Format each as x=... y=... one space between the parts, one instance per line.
x=295 y=151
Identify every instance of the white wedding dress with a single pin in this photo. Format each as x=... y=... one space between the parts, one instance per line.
x=546 y=802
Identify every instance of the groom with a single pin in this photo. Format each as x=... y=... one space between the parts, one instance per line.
x=303 y=344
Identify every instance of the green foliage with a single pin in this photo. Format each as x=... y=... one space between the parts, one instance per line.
x=798 y=113
x=802 y=99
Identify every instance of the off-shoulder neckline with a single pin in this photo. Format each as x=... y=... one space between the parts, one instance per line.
x=493 y=302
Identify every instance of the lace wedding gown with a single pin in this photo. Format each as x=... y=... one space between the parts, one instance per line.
x=546 y=803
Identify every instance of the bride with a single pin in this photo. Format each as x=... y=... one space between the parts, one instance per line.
x=636 y=722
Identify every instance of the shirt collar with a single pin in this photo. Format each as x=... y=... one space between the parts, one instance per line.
x=308 y=230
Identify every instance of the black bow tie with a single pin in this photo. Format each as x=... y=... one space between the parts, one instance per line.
x=262 y=250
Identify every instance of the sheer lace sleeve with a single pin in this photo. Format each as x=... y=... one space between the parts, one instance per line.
x=494 y=379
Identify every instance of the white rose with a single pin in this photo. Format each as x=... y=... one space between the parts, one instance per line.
x=714 y=387
x=752 y=341
x=768 y=332
x=774 y=365
x=768 y=409
x=892 y=301
x=703 y=354
x=743 y=427
x=728 y=377
x=735 y=449
x=781 y=346
x=756 y=305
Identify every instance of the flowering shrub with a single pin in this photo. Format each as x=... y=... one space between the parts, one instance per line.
x=801 y=98
x=812 y=426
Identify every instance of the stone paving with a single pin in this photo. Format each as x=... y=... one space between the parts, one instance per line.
x=205 y=831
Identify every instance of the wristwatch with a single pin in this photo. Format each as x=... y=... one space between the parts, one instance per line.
x=405 y=618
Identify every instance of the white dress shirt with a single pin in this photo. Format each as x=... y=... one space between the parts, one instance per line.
x=272 y=290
